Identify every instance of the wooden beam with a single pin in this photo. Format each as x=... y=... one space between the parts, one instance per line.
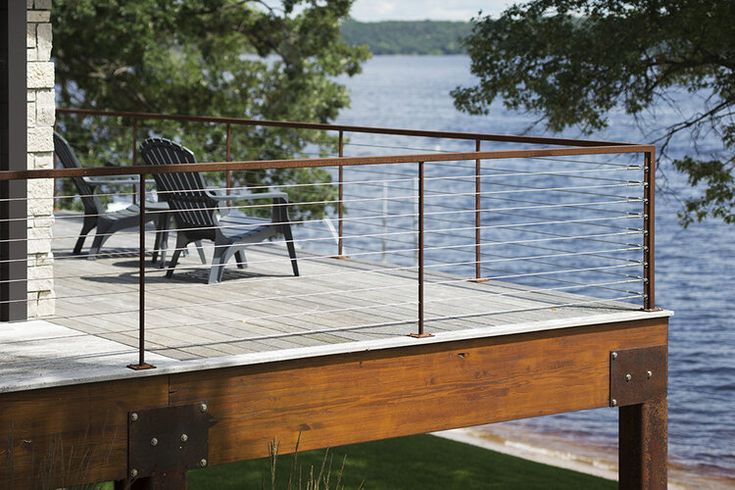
x=376 y=395
x=77 y=434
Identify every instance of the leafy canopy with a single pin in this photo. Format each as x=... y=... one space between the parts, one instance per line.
x=239 y=58
x=572 y=61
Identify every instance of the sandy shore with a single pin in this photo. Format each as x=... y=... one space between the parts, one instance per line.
x=562 y=452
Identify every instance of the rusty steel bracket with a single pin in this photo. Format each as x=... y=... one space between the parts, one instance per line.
x=167 y=439
x=638 y=375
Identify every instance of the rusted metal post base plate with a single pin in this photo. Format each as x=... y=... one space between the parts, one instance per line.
x=638 y=375
x=167 y=440
x=141 y=367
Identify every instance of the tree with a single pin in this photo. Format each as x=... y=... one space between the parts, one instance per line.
x=240 y=58
x=572 y=61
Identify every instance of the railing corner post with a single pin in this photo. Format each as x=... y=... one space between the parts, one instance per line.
x=649 y=227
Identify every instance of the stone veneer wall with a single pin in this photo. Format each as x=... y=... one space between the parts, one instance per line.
x=41 y=116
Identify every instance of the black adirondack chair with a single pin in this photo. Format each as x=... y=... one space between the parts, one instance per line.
x=95 y=215
x=197 y=215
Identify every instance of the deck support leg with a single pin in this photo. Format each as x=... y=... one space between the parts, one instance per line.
x=174 y=479
x=171 y=480
x=643 y=445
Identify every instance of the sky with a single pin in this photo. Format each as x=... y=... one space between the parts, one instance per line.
x=374 y=10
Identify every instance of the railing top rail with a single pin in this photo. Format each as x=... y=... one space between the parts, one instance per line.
x=318 y=162
x=346 y=128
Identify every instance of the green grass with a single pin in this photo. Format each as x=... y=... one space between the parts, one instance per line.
x=417 y=462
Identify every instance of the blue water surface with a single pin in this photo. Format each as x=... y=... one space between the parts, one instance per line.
x=694 y=268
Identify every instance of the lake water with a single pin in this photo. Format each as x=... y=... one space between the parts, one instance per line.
x=694 y=267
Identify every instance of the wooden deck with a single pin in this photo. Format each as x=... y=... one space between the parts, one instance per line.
x=259 y=314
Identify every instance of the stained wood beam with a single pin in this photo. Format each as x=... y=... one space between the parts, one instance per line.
x=77 y=434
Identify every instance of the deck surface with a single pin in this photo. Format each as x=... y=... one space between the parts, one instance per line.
x=258 y=314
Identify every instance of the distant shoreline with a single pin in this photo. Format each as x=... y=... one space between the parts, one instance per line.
x=408 y=37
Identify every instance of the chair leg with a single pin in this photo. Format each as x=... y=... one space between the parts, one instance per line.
x=242 y=261
x=87 y=226
x=180 y=245
x=156 y=247
x=218 y=263
x=103 y=234
x=161 y=247
x=291 y=248
x=200 y=249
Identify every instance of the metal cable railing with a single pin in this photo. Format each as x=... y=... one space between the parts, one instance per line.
x=427 y=243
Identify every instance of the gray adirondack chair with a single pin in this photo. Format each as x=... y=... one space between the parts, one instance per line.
x=197 y=215
x=95 y=215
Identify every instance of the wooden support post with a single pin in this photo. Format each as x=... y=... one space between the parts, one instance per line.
x=643 y=445
x=169 y=480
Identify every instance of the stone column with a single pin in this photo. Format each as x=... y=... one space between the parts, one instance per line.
x=41 y=116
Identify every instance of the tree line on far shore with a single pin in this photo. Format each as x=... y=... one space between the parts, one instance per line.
x=424 y=37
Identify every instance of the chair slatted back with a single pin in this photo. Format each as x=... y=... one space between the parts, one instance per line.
x=185 y=192
x=65 y=155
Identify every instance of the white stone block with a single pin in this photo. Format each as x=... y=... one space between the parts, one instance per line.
x=31 y=54
x=45 y=108
x=46 y=303
x=41 y=278
x=38 y=246
x=44 y=259
x=43 y=4
x=31 y=96
x=43 y=43
x=29 y=4
x=43 y=160
x=42 y=222
x=40 y=197
x=39 y=285
x=38 y=16
x=31 y=114
x=41 y=139
x=40 y=74
x=30 y=35
x=32 y=305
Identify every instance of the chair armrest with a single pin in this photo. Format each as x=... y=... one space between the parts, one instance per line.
x=249 y=196
x=132 y=180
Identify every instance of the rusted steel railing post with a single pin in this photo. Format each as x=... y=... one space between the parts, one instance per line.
x=134 y=155
x=420 y=330
x=228 y=158
x=340 y=198
x=649 y=229
x=141 y=281
x=478 y=235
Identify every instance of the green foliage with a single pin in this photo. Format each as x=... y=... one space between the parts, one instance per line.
x=407 y=37
x=418 y=462
x=572 y=61
x=206 y=57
